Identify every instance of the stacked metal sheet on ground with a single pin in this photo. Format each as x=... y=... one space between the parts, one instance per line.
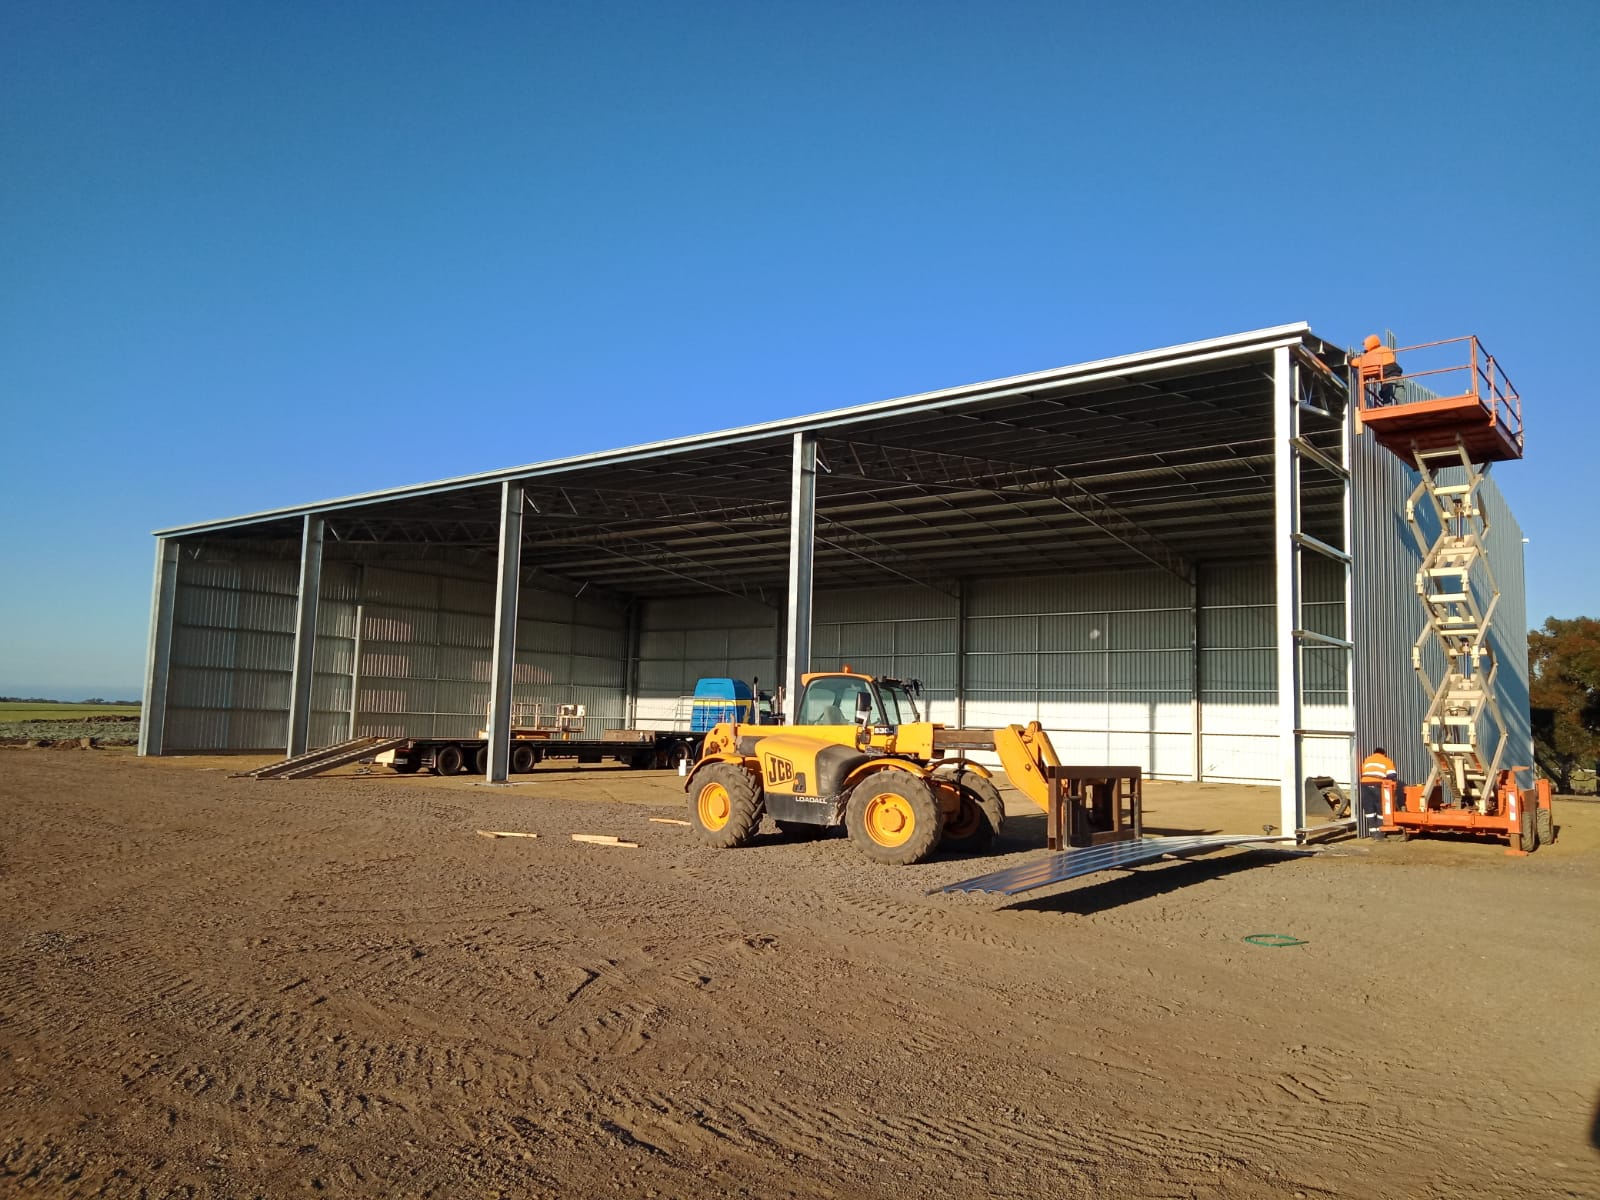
x=1073 y=864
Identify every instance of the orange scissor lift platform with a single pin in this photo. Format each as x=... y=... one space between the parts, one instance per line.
x=1449 y=420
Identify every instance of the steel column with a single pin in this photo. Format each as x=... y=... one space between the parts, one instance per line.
x=305 y=636
x=355 y=667
x=630 y=672
x=1286 y=503
x=961 y=654
x=802 y=548
x=507 y=589
x=163 y=601
x=1196 y=716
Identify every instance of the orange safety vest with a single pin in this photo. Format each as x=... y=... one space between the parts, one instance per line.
x=1377 y=768
x=1378 y=363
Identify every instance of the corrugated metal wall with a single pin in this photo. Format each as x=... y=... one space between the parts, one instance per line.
x=1104 y=662
x=232 y=655
x=904 y=632
x=1509 y=633
x=426 y=653
x=682 y=640
x=1390 y=703
x=426 y=640
x=1239 y=671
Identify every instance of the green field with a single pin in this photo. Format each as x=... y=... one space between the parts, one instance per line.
x=12 y=711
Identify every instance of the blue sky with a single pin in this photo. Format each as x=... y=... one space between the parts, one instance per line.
x=258 y=254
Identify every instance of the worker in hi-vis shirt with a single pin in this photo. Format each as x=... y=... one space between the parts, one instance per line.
x=1377 y=772
x=1377 y=369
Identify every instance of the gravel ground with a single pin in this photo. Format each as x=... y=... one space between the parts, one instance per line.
x=222 y=988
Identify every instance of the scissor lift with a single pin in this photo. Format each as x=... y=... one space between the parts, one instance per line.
x=1451 y=422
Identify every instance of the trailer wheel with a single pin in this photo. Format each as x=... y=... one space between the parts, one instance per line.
x=642 y=759
x=982 y=815
x=480 y=761
x=447 y=760
x=1544 y=826
x=725 y=807
x=894 y=818
x=522 y=759
x=1530 y=830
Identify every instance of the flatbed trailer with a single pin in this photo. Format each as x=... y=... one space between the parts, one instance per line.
x=638 y=748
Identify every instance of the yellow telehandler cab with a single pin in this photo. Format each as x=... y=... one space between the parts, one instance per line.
x=860 y=755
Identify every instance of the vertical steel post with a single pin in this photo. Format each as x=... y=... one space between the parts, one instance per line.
x=158 y=661
x=1348 y=462
x=1196 y=716
x=802 y=548
x=305 y=636
x=507 y=588
x=1286 y=505
x=961 y=654
x=355 y=667
x=630 y=677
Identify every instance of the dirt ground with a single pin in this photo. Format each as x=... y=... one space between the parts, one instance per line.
x=214 y=987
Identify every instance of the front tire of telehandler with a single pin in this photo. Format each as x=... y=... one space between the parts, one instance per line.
x=894 y=818
x=725 y=807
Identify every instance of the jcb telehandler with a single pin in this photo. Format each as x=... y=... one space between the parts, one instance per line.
x=860 y=755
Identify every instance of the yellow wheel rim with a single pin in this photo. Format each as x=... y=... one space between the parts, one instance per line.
x=714 y=806
x=890 y=820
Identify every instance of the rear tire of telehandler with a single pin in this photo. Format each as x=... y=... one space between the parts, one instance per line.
x=725 y=807
x=982 y=815
x=894 y=818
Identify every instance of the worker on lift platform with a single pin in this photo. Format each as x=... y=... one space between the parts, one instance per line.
x=1377 y=773
x=1377 y=368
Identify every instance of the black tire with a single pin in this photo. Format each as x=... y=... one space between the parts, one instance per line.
x=480 y=761
x=642 y=760
x=1529 y=833
x=405 y=768
x=801 y=831
x=447 y=760
x=982 y=816
x=1544 y=826
x=894 y=818
x=725 y=806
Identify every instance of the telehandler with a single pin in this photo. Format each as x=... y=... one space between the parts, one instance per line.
x=860 y=755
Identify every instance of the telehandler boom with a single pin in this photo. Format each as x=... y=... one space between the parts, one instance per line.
x=860 y=755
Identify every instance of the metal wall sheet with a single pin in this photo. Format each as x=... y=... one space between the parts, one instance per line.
x=1390 y=704
x=232 y=654
x=1509 y=633
x=902 y=602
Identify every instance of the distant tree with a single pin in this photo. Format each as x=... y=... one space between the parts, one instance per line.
x=1564 y=678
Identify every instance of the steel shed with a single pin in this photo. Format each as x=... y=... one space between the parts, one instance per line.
x=1183 y=558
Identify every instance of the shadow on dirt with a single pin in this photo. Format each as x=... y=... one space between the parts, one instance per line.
x=1145 y=884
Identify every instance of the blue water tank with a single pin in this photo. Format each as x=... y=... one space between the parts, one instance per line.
x=721 y=700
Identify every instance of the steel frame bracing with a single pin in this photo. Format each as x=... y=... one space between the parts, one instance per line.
x=1304 y=393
